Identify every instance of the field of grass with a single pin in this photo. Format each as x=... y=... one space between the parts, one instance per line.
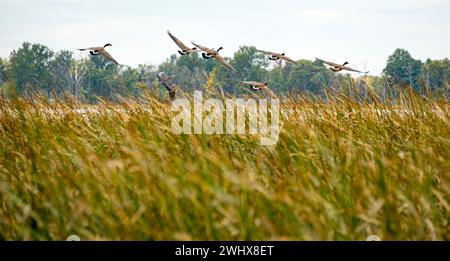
x=342 y=170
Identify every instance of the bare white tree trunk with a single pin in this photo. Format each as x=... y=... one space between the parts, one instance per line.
x=76 y=72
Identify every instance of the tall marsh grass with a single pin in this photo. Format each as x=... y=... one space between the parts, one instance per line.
x=342 y=170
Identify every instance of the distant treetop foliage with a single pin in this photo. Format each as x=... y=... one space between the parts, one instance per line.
x=35 y=68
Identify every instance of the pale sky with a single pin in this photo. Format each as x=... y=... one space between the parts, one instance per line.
x=364 y=33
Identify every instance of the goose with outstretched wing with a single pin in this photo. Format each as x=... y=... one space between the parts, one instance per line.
x=259 y=86
x=102 y=51
x=335 y=67
x=209 y=53
x=166 y=82
x=277 y=56
x=184 y=49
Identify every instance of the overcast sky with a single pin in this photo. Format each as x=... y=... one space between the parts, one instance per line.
x=364 y=33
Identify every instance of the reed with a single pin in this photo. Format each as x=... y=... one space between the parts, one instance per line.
x=342 y=170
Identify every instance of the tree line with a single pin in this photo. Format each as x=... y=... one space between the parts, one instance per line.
x=35 y=68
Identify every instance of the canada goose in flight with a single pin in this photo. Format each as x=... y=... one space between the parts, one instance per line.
x=102 y=51
x=211 y=53
x=277 y=56
x=166 y=82
x=259 y=86
x=339 y=67
x=184 y=49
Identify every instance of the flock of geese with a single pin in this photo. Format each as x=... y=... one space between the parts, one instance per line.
x=210 y=53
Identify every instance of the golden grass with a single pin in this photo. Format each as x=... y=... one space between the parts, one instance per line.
x=342 y=170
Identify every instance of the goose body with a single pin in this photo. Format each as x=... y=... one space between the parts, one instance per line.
x=209 y=53
x=277 y=56
x=184 y=49
x=102 y=51
x=255 y=85
x=335 y=67
x=259 y=86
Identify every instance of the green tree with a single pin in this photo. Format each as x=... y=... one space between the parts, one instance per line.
x=30 y=67
x=436 y=75
x=306 y=76
x=310 y=77
x=2 y=71
x=250 y=64
x=188 y=71
x=128 y=81
x=60 y=67
x=101 y=78
x=277 y=80
x=146 y=73
x=402 y=69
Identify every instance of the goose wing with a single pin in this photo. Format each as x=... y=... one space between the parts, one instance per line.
x=248 y=83
x=245 y=83
x=270 y=93
x=109 y=57
x=172 y=95
x=329 y=63
x=254 y=85
x=178 y=42
x=222 y=60
x=169 y=89
x=268 y=53
x=251 y=83
x=162 y=76
x=205 y=49
x=353 y=70
x=289 y=59
x=165 y=80
x=91 y=48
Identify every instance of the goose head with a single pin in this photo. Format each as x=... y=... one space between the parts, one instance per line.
x=346 y=63
x=283 y=54
x=220 y=48
x=108 y=44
